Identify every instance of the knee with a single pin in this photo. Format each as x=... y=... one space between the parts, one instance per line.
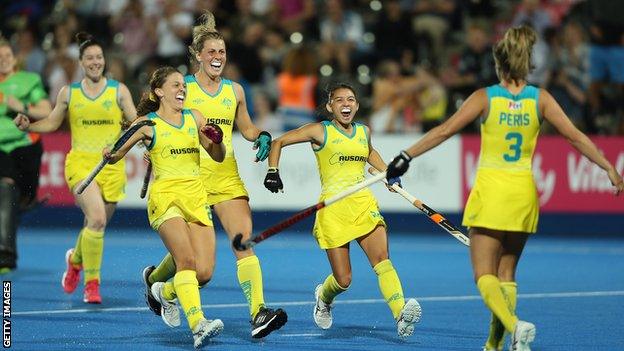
x=97 y=222
x=187 y=262
x=204 y=274
x=344 y=280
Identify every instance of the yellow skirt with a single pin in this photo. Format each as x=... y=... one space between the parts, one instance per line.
x=178 y=197
x=222 y=181
x=347 y=220
x=111 y=179
x=503 y=200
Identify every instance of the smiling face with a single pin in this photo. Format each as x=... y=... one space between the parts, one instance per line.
x=343 y=105
x=7 y=60
x=212 y=57
x=92 y=62
x=173 y=91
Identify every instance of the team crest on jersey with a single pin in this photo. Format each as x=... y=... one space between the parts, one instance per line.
x=514 y=105
x=336 y=141
x=198 y=101
x=192 y=130
x=79 y=105
x=107 y=104
x=227 y=103
x=363 y=141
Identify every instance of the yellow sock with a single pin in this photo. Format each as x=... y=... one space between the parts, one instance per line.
x=250 y=280
x=164 y=271
x=92 y=250
x=185 y=284
x=168 y=291
x=492 y=294
x=76 y=257
x=390 y=286
x=496 y=339
x=331 y=289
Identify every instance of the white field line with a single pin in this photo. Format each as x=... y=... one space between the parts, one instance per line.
x=338 y=302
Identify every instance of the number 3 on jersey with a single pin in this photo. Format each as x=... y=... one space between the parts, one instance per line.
x=515 y=147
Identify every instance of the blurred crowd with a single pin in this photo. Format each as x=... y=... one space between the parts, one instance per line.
x=413 y=62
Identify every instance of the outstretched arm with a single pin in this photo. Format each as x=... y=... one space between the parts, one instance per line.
x=50 y=123
x=473 y=107
x=552 y=112
x=262 y=139
x=126 y=103
x=312 y=132
x=142 y=134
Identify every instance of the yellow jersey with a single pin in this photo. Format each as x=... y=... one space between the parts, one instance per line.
x=174 y=153
x=221 y=179
x=341 y=161
x=510 y=129
x=95 y=122
x=504 y=196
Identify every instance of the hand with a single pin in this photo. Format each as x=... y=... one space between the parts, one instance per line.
x=398 y=166
x=616 y=180
x=263 y=145
x=146 y=157
x=272 y=181
x=14 y=104
x=22 y=122
x=106 y=153
x=213 y=132
x=392 y=181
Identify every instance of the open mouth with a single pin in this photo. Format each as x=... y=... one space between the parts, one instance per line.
x=345 y=111
x=180 y=97
x=216 y=64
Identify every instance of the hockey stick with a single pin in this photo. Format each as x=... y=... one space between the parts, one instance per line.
x=433 y=214
x=146 y=179
x=269 y=232
x=118 y=144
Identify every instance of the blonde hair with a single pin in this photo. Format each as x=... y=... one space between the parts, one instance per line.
x=207 y=29
x=512 y=54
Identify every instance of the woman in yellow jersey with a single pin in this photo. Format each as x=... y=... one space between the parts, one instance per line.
x=342 y=149
x=502 y=208
x=222 y=102
x=177 y=206
x=96 y=107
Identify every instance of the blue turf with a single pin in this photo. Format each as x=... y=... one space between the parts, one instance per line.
x=431 y=267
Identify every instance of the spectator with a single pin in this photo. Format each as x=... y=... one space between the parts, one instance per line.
x=28 y=53
x=297 y=84
x=293 y=15
x=246 y=53
x=394 y=38
x=432 y=19
x=531 y=13
x=173 y=31
x=139 y=35
x=606 y=57
x=264 y=117
x=341 y=36
x=568 y=73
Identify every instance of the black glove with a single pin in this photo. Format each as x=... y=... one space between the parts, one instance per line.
x=398 y=166
x=272 y=181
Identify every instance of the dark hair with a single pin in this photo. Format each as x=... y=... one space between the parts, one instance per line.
x=329 y=92
x=149 y=101
x=84 y=41
x=332 y=87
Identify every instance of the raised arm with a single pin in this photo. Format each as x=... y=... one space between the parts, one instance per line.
x=261 y=139
x=50 y=123
x=473 y=107
x=552 y=112
x=144 y=133
x=126 y=103
x=210 y=137
x=312 y=132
